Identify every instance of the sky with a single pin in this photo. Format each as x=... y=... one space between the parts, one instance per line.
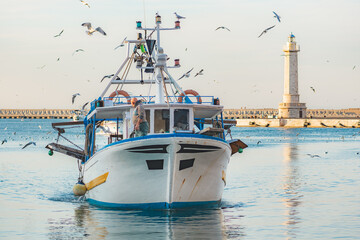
x=239 y=68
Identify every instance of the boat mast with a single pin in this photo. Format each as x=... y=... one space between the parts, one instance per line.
x=159 y=68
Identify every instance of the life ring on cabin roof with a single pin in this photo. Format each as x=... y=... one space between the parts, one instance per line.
x=192 y=92
x=120 y=92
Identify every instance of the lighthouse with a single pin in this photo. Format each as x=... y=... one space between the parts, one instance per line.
x=291 y=107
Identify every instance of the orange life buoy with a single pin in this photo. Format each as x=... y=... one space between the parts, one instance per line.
x=120 y=92
x=192 y=92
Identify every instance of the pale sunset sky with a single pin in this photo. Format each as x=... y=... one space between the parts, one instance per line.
x=239 y=68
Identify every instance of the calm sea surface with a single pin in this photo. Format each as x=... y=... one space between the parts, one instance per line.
x=274 y=190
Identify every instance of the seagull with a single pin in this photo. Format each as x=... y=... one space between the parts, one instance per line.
x=277 y=16
x=58 y=59
x=39 y=126
x=83 y=107
x=222 y=27
x=312 y=89
x=58 y=35
x=312 y=156
x=74 y=96
x=178 y=16
x=41 y=67
x=258 y=142
x=78 y=50
x=105 y=130
x=91 y=30
x=122 y=44
x=199 y=73
x=85 y=3
x=187 y=74
x=107 y=76
x=265 y=31
x=354 y=67
x=29 y=143
x=3 y=141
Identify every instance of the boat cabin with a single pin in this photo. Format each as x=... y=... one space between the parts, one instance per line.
x=162 y=118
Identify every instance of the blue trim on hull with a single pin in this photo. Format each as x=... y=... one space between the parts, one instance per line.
x=156 y=205
x=170 y=135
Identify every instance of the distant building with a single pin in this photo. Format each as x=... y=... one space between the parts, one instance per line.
x=291 y=107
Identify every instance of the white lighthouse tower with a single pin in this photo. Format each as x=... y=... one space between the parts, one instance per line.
x=290 y=107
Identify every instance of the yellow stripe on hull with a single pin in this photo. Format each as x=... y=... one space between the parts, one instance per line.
x=96 y=181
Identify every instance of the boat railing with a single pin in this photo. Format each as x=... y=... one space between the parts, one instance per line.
x=121 y=100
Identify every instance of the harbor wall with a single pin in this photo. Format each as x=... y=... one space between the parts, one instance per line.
x=37 y=113
x=273 y=113
x=299 y=123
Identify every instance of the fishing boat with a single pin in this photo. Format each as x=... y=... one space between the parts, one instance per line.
x=183 y=159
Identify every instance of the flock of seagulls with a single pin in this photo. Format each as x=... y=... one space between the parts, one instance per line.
x=267 y=29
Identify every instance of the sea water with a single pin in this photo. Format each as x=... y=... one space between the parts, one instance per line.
x=288 y=184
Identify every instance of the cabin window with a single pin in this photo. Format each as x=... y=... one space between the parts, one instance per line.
x=161 y=121
x=181 y=119
x=147 y=113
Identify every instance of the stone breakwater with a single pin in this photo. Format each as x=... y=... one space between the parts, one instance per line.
x=310 y=113
x=298 y=123
x=37 y=113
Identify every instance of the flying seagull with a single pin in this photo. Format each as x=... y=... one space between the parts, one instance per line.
x=312 y=156
x=265 y=31
x=105 y=130
x=78 y=50
x=3 y=141
x=58 y=35
x=74 y=96
x=178 y=16
x=187 y=74
x=276 y=16
x=91 y=30
x=199 y=73
x=83 y=107
x=222 y=27
x=29 y=143
x=312 y=89
x=85 y=3
x=122 y=44
x=58 y=59
x=354 y=67
x=107 y=76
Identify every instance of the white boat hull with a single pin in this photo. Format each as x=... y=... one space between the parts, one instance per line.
x=159 y=171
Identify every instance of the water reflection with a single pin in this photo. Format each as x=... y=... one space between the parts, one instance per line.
x=89 y=222
x=292 y=198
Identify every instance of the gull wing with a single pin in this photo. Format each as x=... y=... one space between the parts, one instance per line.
x=100 y=31
x=87 y=24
